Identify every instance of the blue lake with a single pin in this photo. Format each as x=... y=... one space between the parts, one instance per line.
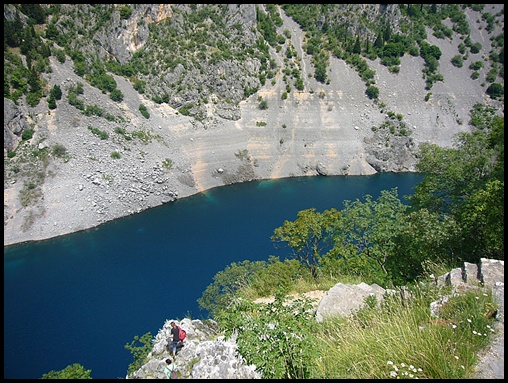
x=80 y=298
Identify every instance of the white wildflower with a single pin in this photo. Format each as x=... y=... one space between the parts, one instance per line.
x=469 y=320
x=454 y=326
x=402 y=365
x=420 y=370
x=393 y=374
x=389 y=362
x=456 y=357
x=474 y=332
x=411 y=367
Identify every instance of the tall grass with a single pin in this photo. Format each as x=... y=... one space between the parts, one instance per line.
x=403 y=340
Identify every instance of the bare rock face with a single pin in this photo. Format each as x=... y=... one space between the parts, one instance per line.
x=14 y=125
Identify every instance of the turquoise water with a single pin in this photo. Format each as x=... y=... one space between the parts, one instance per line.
x=81 y=297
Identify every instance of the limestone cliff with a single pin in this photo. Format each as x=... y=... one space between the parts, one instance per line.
x=91 y=159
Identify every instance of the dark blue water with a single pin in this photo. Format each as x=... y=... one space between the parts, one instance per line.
x=81 y=297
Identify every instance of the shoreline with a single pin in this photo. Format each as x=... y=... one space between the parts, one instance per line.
x=61 y=234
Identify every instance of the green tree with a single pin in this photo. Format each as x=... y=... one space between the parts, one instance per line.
x=34 y=11
x=277 y=276
x=226 y=284
x=308 y=236
x=52 y=31
x=139 y=352
x=51 y=102
x=320 y=72
x=370 y=230
x=56 y=92
x=467 y=183
x=424 y=237
x=75 y=371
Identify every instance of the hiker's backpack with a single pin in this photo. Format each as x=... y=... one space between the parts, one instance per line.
x=181 y=333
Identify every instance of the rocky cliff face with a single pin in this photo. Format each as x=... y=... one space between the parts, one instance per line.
x=80 y=169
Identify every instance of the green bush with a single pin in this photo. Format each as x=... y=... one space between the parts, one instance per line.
x=116 y=95
x=115 y=155
x=59 y=150
x=276 y=337
x=125 y=12
x=99 y=133
x=144 y=111
x=457 y=61
x=33 y=99
x=139 y=353
x=51 y=103
x=75 y=371
x=27 y=134
x=372 y=92
x=495 y=90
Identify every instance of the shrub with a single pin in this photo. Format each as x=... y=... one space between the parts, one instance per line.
x=125 y=12
x=115 y=155
x=144 y=111
x=99 y=133
x=27 y=134
x=495 y=90
x=457 y=61
x=372 y=92
x=75 y=371
x=263 y=105
x=51 y=103
x=33 y=99
x=116 y=95
x=59 y=150
x=167 y=163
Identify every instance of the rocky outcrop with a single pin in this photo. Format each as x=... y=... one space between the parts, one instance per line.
x=342 y=299
x=489 y=274
x=205 y=354
x=14 y=125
